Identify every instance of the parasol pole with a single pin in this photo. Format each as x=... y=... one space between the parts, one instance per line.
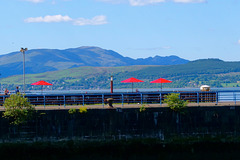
x=132 y=87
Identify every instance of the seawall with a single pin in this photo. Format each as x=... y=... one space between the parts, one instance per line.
x=102 y=124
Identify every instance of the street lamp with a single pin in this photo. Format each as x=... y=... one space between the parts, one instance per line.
x=0 y=85
x=111 y=84
x=23 y=51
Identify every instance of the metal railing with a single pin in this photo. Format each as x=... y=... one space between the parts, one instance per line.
x=128 y=98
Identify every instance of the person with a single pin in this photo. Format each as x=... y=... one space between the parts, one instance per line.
x=17 y=90
x=6 y=92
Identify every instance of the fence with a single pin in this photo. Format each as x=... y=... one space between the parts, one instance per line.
x=129 y=98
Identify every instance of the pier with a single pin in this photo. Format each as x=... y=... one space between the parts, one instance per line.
x=122 y=100
x=208 y=114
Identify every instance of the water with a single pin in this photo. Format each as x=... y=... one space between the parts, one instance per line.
x=125 y=90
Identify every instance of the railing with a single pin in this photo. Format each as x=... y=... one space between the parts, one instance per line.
x=129 y=98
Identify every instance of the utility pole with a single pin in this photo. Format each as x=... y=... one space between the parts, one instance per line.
x=23 y=50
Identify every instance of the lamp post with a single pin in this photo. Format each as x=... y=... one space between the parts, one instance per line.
x=23 y=51
x=111 y=84
x=0 y=85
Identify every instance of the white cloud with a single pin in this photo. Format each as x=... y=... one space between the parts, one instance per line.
x=35 y=1
x=239 y=41
x=55 y=18
x=133 y=2
x=144 y=2
x=147 y=2
x=150 y=2
x=39 y=1
x=189 y=1
x=113 y=1
x=97 y=20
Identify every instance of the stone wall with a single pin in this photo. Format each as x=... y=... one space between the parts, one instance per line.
x=102 y=124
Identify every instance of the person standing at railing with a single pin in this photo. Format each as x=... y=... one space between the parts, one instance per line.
x=6 y=92
x=17 y=90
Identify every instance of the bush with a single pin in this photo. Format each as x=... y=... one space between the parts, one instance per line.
x=17 y=109
x=72 y=110
x=174 y=102
x=142 y=108
x=83 y=110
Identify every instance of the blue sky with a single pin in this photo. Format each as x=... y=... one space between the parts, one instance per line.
x=190 y=29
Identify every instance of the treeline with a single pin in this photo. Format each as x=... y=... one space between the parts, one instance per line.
x=213 y=72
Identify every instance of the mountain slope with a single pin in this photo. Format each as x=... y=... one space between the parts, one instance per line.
x=43 y=60
x=213 y=72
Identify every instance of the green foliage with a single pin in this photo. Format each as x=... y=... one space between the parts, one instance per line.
x=212 y=72
x=72 y=111
x=17 y=109
x=142 y=108
x=174 y=102
x=83 y=110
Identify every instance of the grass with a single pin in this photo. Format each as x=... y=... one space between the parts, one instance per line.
x=230 y=84
x=75 y=73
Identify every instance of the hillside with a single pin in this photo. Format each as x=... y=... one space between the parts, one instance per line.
x=213 y=72
x=45 y=60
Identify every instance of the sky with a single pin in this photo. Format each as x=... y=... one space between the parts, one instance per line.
x=190 y=29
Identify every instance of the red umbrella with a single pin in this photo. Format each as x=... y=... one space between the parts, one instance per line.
x=131 y=80
x=41 y=83
x=161 y=80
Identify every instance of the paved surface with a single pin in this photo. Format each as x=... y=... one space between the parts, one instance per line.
x=55 y=107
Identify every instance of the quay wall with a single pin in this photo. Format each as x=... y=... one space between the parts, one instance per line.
x=102 y=124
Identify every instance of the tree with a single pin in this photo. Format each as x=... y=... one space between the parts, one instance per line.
x=17 y=109
x=174 y=102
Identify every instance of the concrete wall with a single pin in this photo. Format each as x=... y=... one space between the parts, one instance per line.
x=161 y=123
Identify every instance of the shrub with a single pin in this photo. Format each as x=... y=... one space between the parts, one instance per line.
x=83 y=110
x=142 y=108
x=174 y=102
x=17 y=109
x=72 y=110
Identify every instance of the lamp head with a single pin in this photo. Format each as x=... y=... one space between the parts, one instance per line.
x=23 y=50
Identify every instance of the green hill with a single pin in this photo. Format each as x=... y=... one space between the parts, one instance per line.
x=213 y=72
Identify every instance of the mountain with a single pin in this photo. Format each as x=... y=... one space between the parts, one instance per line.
x=158 y=60
x=44 y=60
